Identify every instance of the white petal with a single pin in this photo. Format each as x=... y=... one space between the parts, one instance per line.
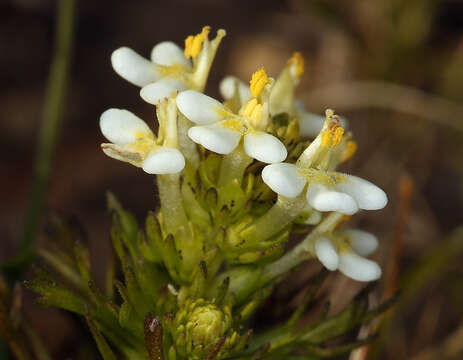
x=362 y=242
x=284 y=179
x=200 y=108
x=227 y=88
x=160 y=90
x=264 y=147
x=215 y=137
x=168 y=53
x=133 y=67
x=358 y=268
x=310 y=124
x=164 y=161
x=326 y=253
x=122 y=127
x=322 y=198
x=367 y=195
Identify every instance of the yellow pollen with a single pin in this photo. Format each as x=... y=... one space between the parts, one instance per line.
x=351 y=148
x=193 y=43
x=298 y=62
x=337 y=136
x=258 y=80
x=333 y=135
x=252 y=109
x=326 y=138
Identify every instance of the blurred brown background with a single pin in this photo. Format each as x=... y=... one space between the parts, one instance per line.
x=354 y=51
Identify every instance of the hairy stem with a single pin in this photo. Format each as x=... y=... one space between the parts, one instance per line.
x=301 y=252
x=233 y=166
x=174 y=215
x=276 y=219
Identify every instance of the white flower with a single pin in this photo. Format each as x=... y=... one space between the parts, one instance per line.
x=132 y=141
x=220 y=129
x=326 y=191
x=170 y=68
x=345 y=252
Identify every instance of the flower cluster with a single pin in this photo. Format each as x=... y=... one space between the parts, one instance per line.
x=235 y=180
x=175 y=78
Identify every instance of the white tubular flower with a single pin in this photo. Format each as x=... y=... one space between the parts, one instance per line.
x=171 y=69
x=326 y=190
x=220 y=129
x=345 y=252
x=132 y=141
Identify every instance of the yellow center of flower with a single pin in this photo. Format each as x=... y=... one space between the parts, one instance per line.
x=193 y=43
x=252 y=110
x=258 y=80
x=143 y=143
x=333 y=135
x=297 y=61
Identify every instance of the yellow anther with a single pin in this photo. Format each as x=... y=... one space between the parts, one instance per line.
x=326 y=138
x=298 y=62
x=337 y=136
x=252 y=109
x=193 y=43
x=333 y=135
x=258 y=80
x=351 y=148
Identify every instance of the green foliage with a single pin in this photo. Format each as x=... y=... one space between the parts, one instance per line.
x=200 y=312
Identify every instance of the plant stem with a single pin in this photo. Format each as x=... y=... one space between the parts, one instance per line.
x=52 y=114
x=174 y=215
x=301 y=252
x=233 y=166
x=279 y=216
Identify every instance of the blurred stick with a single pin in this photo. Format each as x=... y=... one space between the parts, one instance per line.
x=403 y=214
x=354 y=95
x=52 y=114
x=392 y=277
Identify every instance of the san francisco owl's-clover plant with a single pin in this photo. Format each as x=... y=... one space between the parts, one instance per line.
x=236 y=178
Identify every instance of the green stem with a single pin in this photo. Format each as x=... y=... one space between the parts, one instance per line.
x=301 y=252
x=52 y=113
x=173 y=213
x=233 y=166
x=277 y=218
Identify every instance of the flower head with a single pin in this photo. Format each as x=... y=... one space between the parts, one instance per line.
x=345 y=251
x=220 y=129
x=170 y=68
x=132 y=141
x=325 y=190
